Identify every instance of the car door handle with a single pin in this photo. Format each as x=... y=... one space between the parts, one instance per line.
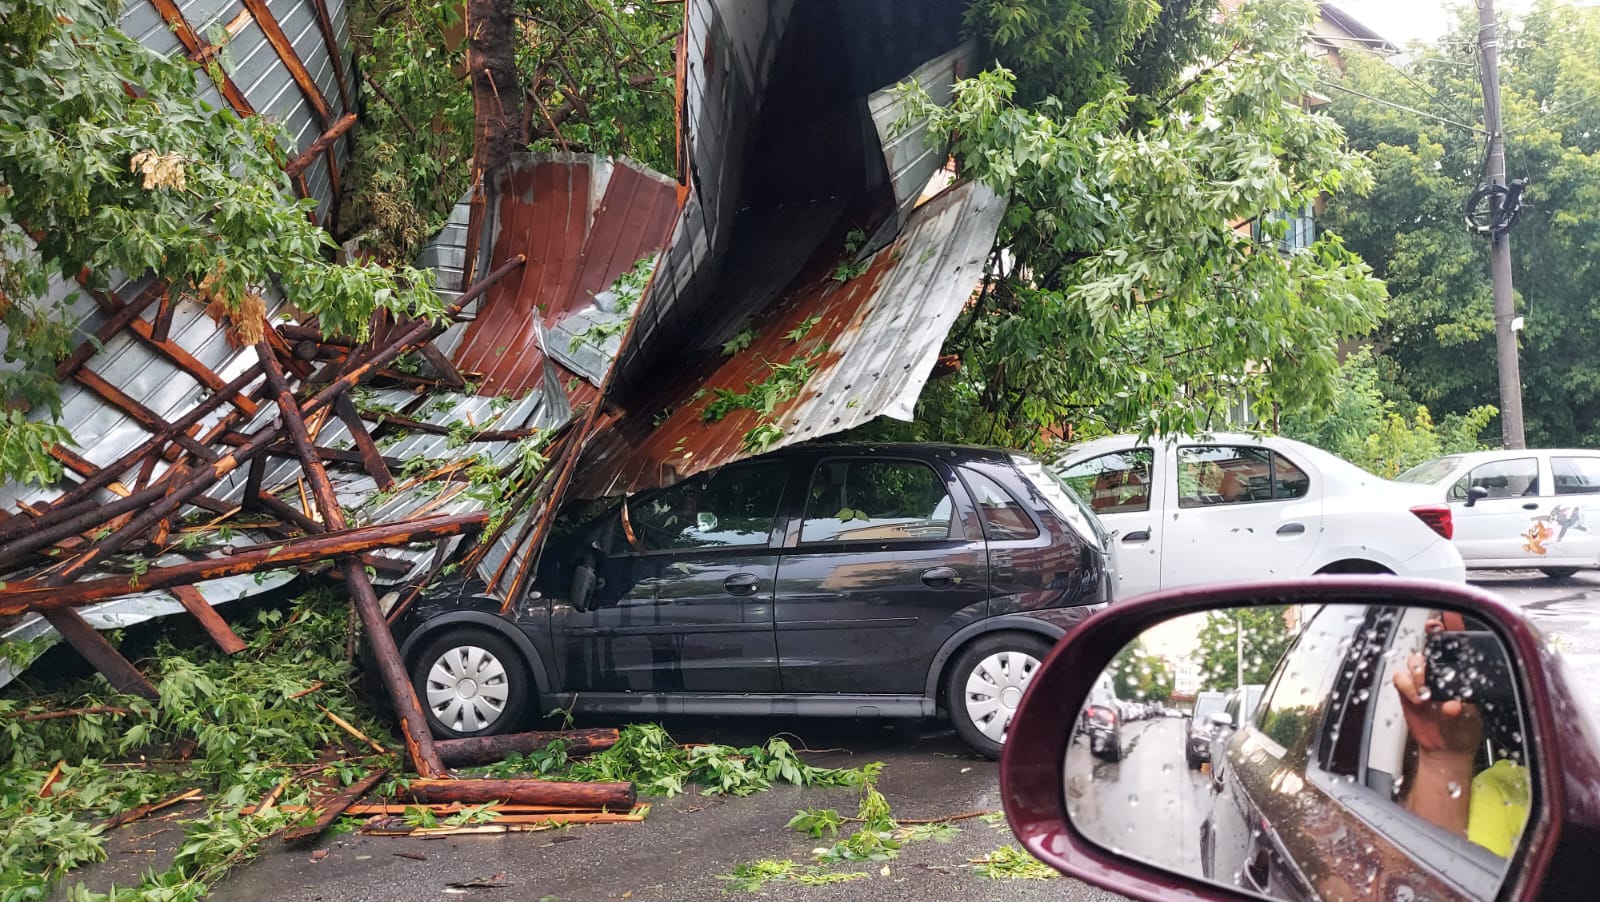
x=1292 y=529
x=1138 y=535
x=742 y=584
x=1531 y=506
x=940 y=578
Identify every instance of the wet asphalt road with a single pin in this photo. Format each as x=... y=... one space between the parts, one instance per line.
x=1149 y=805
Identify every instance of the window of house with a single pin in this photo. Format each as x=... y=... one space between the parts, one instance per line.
x=877 y=500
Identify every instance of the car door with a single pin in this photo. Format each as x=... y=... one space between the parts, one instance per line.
x=683 y=601
x=1124 y=488
x=885 y=554
x=1573 y=516
x=1505 y=526
x=1237 y=512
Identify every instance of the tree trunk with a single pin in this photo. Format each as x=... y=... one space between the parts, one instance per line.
x=496 y=87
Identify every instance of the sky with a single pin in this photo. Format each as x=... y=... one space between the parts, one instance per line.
x=1420 y=20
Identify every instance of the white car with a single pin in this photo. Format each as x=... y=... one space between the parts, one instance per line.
x=1526 y=508
x=1235 y=507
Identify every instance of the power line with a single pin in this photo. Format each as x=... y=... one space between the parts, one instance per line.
x=1400 y=106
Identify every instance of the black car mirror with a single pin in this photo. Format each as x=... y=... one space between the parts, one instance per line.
x=1409 y=720
x=1475 y=494
x=581 y=591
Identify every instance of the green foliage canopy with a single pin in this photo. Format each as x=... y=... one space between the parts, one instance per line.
x=1123 y=294
x=110 y=164
x=1440 y=330
x=1264 y=636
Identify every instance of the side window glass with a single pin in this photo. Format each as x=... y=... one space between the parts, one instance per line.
x=1289 y=713
x=1003 y=517
x=731 y=507
x=1356 y=691
x=1505 y=478
x=874 y=501
x=1288 y=480
x=1113 y=483
x=1209 y=475
x=1576 y=475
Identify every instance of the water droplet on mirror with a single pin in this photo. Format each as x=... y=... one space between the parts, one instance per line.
x=1454 y=789
x=1133 y=800
x=1166 y=768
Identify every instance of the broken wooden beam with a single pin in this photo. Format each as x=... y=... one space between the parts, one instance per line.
x=210 y=621
x=101 y=654
x=323 y=142
x=585 y=796
x=488 y=749
x=385 y=653
x=331 y=808
x=17 y=598
x=133 y=814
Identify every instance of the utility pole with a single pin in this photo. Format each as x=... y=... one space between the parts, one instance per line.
x=1505 y=336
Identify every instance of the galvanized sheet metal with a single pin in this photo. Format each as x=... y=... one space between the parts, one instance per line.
x=872 y=340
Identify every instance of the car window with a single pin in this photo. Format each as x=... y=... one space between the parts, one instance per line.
x=1430 y=472
x=733 y=506
x=1231 y=474
x=1003 y=516
x=1501 y=479
x=877 y=500
x=1205 y=706
x=1576 y=475
x=1356 y=692
x=1294 y=696
x=1114 y=483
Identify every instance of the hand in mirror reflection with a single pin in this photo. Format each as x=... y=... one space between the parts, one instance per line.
x=1489 y=805
x=1358 y=751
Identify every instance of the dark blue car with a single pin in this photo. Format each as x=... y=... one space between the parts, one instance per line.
x=849 y=581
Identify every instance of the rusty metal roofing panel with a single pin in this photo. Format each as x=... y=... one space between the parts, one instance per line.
x=870 y=341
x=582 y=221
x=774 y=114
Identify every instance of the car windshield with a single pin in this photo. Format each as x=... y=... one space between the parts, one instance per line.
x=1063 y=501
x=1431 y=472
x=1207 y=706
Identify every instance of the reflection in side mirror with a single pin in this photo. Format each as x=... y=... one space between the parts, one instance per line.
x=1378 y=752
x=705 y=521
x=1475 y=494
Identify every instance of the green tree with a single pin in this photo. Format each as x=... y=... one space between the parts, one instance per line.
x=1264 y=637
x=1123 y=293
x=1141 y=676
x=1373 y=431
x=1439 y=332
x=108 y=164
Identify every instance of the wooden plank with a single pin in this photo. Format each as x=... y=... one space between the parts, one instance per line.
x=319 y=146
x=297 y=70
x=133 y=814
x=201 y=51
x=125 y=314
x=371 y=456
x=140 y=414
x=330 y=809
x=210 y=621
x=487 y=749
x=100 y=654
x=187 y=362
x=17 y=598
x=586 y=796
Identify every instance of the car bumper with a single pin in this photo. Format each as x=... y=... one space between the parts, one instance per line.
x=1200 y=748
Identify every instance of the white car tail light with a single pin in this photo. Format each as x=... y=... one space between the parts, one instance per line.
x=1437 y=516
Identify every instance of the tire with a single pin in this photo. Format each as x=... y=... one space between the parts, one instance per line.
x=984 y=684
x=1194 y=763
x=1558 y=572
x=470 y=682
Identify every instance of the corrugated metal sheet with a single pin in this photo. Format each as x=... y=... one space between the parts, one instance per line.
x=582 y=222
x=230 y=32
x=871 y=340
x=774 y=114
x=912 y=158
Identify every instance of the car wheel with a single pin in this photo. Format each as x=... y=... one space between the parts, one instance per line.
x=1558 y=572
x=470 y=682
x=1194 y=763
x=985 y=683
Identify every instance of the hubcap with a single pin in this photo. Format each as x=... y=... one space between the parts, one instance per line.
x=467 y=689
x=994 y=689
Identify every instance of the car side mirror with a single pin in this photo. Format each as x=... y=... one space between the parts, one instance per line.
x=581 y=591
x=1475 y=494
x=1343 y=750
x=1222 y=720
